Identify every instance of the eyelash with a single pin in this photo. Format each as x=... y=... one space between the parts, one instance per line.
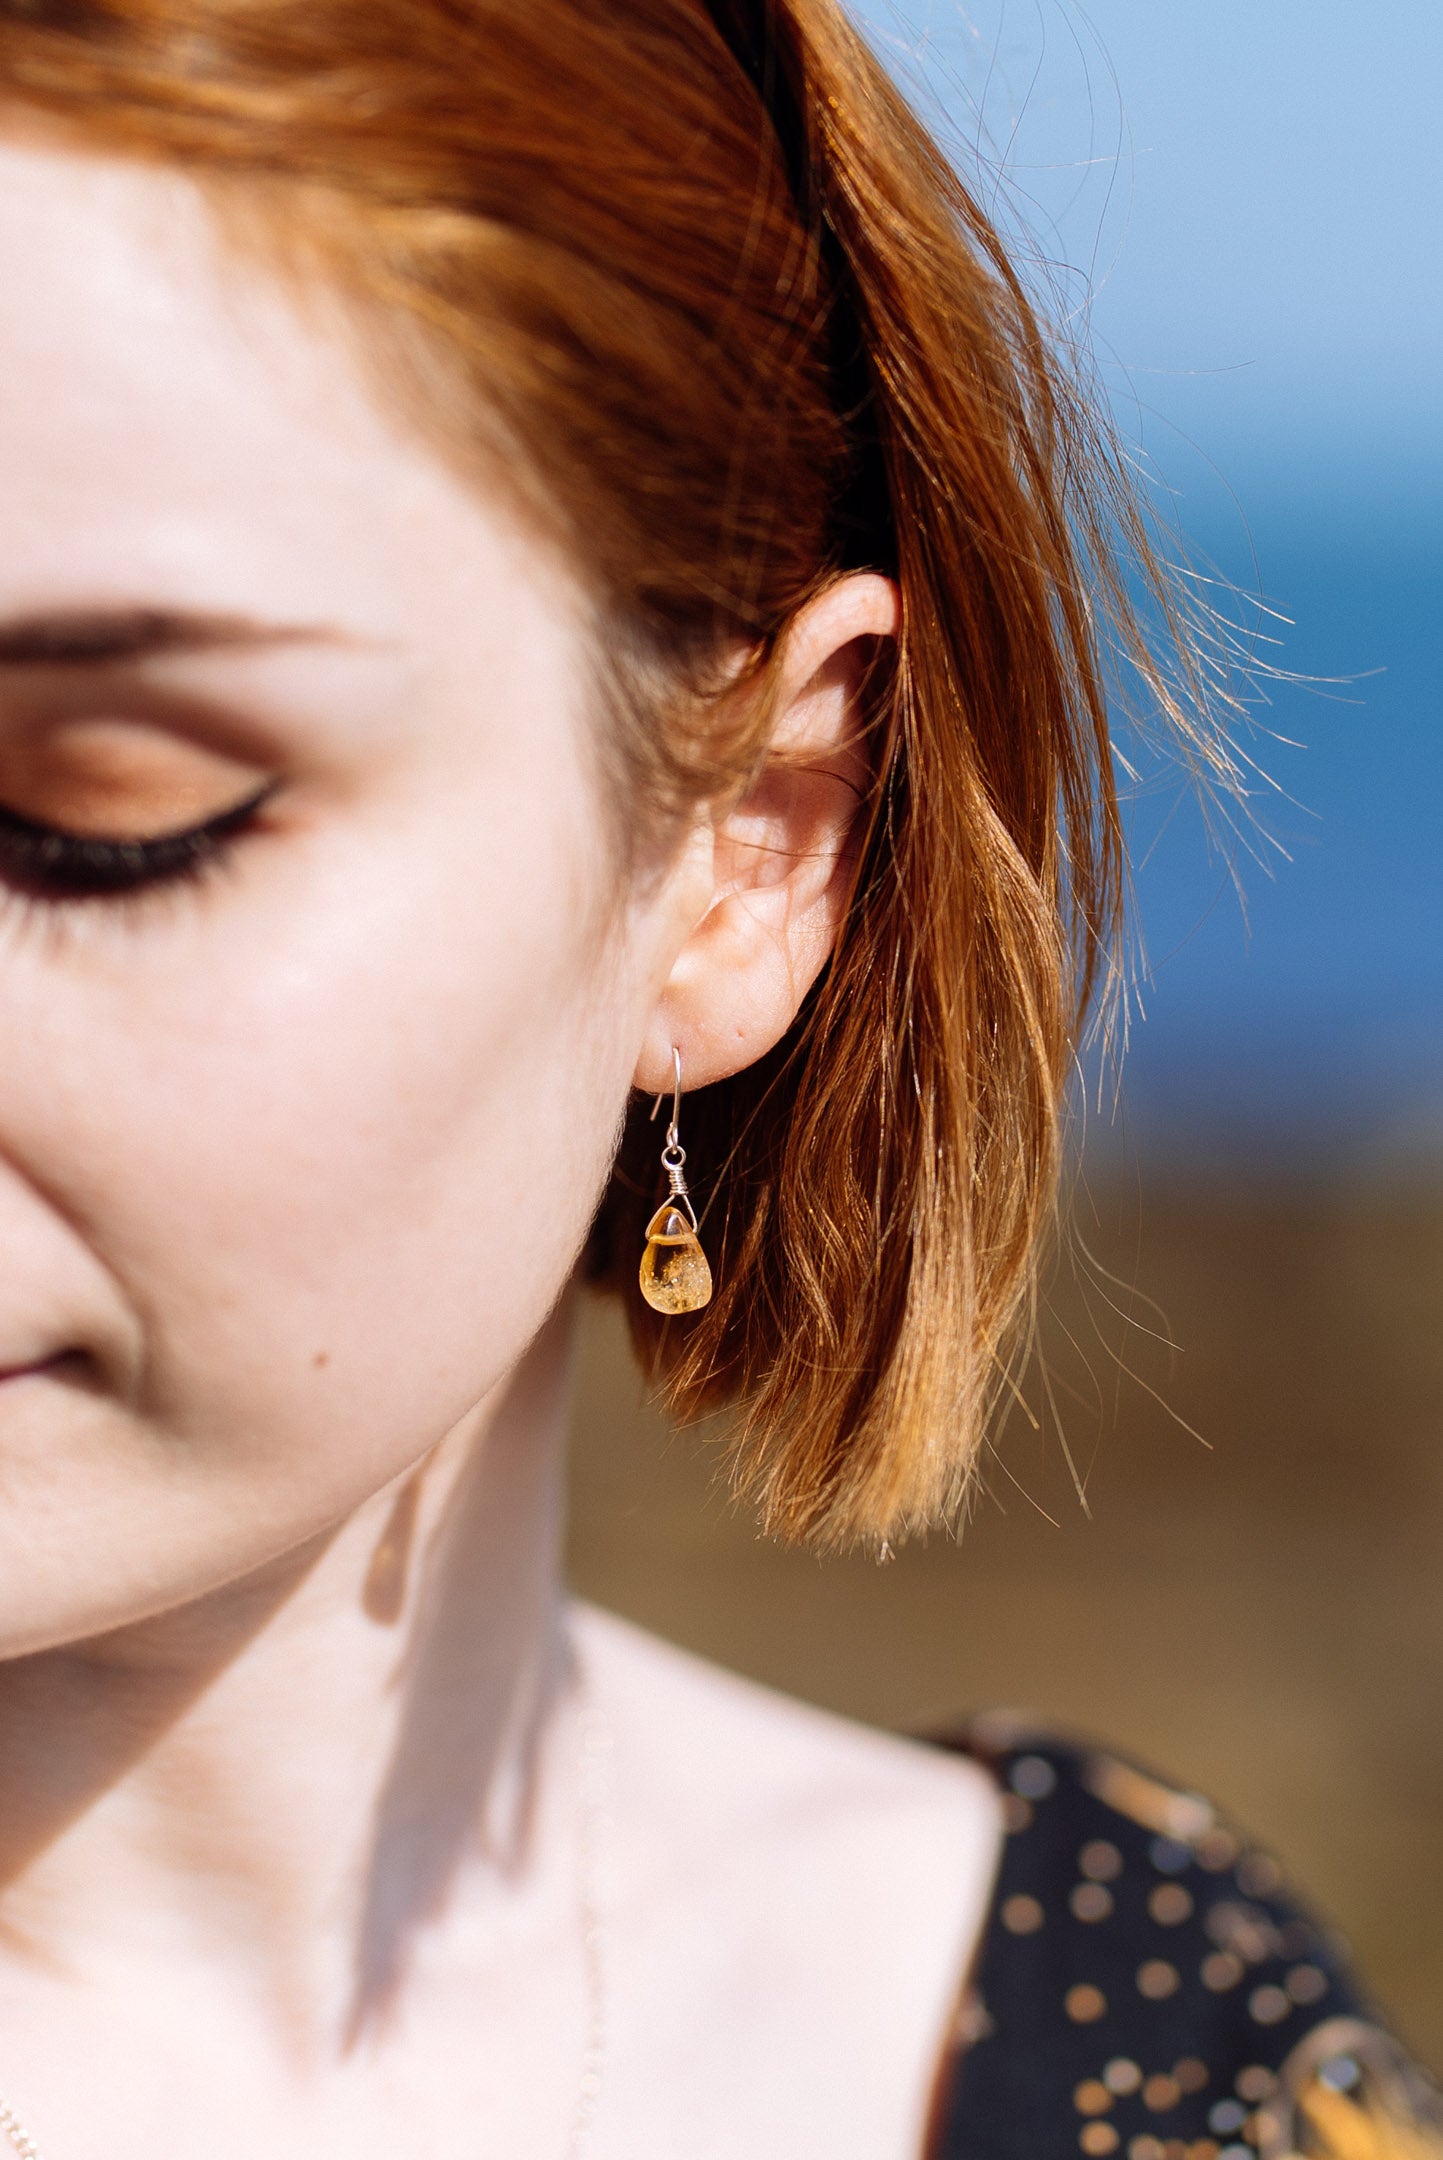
x=48 y=864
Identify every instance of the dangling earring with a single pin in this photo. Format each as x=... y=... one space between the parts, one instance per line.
x=675 y=1276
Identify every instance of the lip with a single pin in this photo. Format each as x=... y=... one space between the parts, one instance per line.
x=29 y=1370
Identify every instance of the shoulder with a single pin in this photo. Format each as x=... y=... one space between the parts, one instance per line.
x=740 y=1773
x=796 y=1900
x=801 y=1899
x=1146 y=1982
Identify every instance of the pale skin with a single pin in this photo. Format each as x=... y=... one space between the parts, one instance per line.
x=295 y=1163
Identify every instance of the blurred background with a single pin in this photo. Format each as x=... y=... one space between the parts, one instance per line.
x=1240 y=205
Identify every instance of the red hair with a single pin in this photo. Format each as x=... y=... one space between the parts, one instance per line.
x=705 y=293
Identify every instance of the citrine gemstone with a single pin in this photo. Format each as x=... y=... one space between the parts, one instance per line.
x=675 y=1276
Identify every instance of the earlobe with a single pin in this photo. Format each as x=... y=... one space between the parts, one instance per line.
x=781 y=855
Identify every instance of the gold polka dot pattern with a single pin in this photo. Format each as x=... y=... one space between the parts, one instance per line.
x=1089 y=1902
x=1141 y=1983
x=1021 y=1915
x=1085 y=2005
x=1098 y=2138
x=1170 y=1904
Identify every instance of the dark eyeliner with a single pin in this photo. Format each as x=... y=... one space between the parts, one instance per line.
x=49 y=863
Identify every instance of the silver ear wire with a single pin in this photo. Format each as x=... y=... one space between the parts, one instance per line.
x=673 y=1155
x=671 y=1130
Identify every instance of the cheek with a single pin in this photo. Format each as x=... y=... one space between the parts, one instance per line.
x=356 y=1115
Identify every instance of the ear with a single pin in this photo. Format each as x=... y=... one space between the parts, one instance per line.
x=781 y=856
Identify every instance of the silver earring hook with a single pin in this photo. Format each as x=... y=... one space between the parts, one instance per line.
x=673 y=1155
x=674 y=1126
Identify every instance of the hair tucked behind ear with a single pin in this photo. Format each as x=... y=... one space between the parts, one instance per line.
x=883 y=1182
x=712 y=302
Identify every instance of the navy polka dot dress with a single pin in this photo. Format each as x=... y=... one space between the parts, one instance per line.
x=1144 y=1986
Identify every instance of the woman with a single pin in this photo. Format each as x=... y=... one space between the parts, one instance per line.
x=544 y=564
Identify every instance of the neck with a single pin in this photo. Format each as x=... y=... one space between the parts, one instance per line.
x=287 y=1780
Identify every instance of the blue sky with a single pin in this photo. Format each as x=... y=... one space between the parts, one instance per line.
x=1246 y=203
x=1256 y=186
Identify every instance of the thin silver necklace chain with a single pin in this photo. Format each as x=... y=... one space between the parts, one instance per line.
x=596 y=1797
x=596 y=1815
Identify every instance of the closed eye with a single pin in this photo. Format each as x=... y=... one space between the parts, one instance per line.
x=50 y=864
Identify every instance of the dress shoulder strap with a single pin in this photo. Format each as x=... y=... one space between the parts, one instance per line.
x=1146 y=1987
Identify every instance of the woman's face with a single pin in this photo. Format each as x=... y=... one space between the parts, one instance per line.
x=295 y=1150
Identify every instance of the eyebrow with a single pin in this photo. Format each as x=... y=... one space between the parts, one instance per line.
x=105 y=637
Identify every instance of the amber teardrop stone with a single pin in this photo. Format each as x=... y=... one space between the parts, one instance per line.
x=674 y=1272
